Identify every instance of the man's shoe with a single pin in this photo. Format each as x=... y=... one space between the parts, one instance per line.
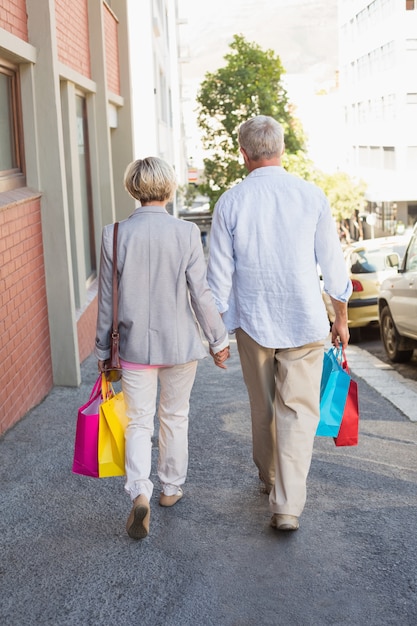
x=170 y=500
x=137 y=525
x=284 y=522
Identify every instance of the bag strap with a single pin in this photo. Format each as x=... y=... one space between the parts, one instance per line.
x=344 y=362
x=106 y=388
x=97 y=387
x=115 y=298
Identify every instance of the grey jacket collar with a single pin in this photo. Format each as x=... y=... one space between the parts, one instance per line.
x=140 y=210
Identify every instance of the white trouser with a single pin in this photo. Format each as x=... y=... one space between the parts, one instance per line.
x=140 y=393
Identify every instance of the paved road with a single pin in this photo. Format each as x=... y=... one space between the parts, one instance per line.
x=371 y=342
x=212 y=559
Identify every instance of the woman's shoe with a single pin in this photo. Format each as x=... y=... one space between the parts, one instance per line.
x=137 y=525
x=281 y=521
x=170 y=500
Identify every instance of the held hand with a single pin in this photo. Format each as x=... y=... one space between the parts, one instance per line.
x=220 y=357
x=101 y=365
x=340 y=334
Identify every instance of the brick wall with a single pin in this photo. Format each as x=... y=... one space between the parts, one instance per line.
x=13 y=18
x=25 y=353
x=72 y=34
x=112 y=51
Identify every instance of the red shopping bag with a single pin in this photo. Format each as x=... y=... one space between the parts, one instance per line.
x=349 y=427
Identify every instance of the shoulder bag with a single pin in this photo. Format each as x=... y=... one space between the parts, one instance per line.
x=112 y=368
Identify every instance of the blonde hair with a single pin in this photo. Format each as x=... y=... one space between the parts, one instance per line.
x=261 y=137
x=150 y=179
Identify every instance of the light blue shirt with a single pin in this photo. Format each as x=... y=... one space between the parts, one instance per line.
x=268 y=235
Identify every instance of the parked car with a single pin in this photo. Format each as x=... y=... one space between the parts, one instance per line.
x=368 y=264
x=397 y=306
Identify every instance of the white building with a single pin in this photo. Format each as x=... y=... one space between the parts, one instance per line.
x=156 y=82
x=378 y=82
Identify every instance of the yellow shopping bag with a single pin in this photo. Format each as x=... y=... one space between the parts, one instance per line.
x=111 y=434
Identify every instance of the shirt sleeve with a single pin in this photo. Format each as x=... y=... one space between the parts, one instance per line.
x=221 y=264
x=201 y=296
x=329 y=256
x=105 y=295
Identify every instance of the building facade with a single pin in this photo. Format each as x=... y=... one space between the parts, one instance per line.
x=66 y=136
x=378 y=83
x=156 y=82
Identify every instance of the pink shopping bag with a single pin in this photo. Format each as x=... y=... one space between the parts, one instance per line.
x=86 y=435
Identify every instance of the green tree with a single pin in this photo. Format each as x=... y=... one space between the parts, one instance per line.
x=249 y=84
x=345 y=194
x=346 y=197
x=187 y=194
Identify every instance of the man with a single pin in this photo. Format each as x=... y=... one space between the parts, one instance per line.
x=268 y=235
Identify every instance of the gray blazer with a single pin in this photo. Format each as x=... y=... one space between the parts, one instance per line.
x=163 y=291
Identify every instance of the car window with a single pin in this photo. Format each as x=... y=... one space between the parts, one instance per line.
x=368 y=261
x=411 y=260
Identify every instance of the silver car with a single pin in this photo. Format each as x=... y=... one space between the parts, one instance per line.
x=397 y=306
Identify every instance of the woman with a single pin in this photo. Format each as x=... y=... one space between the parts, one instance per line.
x=162 y=291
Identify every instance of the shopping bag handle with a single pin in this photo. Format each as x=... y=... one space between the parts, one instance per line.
x=341 y=358
x=107 y=390
x=97 y=388
x=344 y=362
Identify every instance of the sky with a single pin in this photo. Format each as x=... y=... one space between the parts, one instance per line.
x=303 y=33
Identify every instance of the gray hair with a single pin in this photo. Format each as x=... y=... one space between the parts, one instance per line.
x=261 y=137
x=150 y=179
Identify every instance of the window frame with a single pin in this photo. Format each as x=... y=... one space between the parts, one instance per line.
x=15 y=177
x=88 y=189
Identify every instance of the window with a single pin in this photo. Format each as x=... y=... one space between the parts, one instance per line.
x=86 y=197
x=11 y=148
x=375 y=157
x=411 y=161
x=389 y=158
x=388 y=107
x=363 y=156
x=411 y=99
x=411 y=260
x=412 y=214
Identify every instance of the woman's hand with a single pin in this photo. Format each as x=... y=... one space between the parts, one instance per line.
x=220 y=357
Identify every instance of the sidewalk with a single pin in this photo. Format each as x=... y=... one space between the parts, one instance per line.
x=213 y=559
x=382 y=377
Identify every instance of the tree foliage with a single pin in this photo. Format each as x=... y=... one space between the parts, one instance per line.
x=345 y=195
x=249 y=84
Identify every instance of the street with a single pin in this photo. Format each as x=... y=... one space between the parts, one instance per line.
x=371 y=342
x=212 y=559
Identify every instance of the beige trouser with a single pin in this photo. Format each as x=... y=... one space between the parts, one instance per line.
x=284 y=395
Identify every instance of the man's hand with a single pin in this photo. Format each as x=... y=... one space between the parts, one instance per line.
x=220 y=357
x=340 y=330
x=340 y=334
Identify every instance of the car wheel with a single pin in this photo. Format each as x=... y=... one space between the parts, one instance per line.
x=391 y=339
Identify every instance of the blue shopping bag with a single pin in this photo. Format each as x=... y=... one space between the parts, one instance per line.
x=334 y=388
